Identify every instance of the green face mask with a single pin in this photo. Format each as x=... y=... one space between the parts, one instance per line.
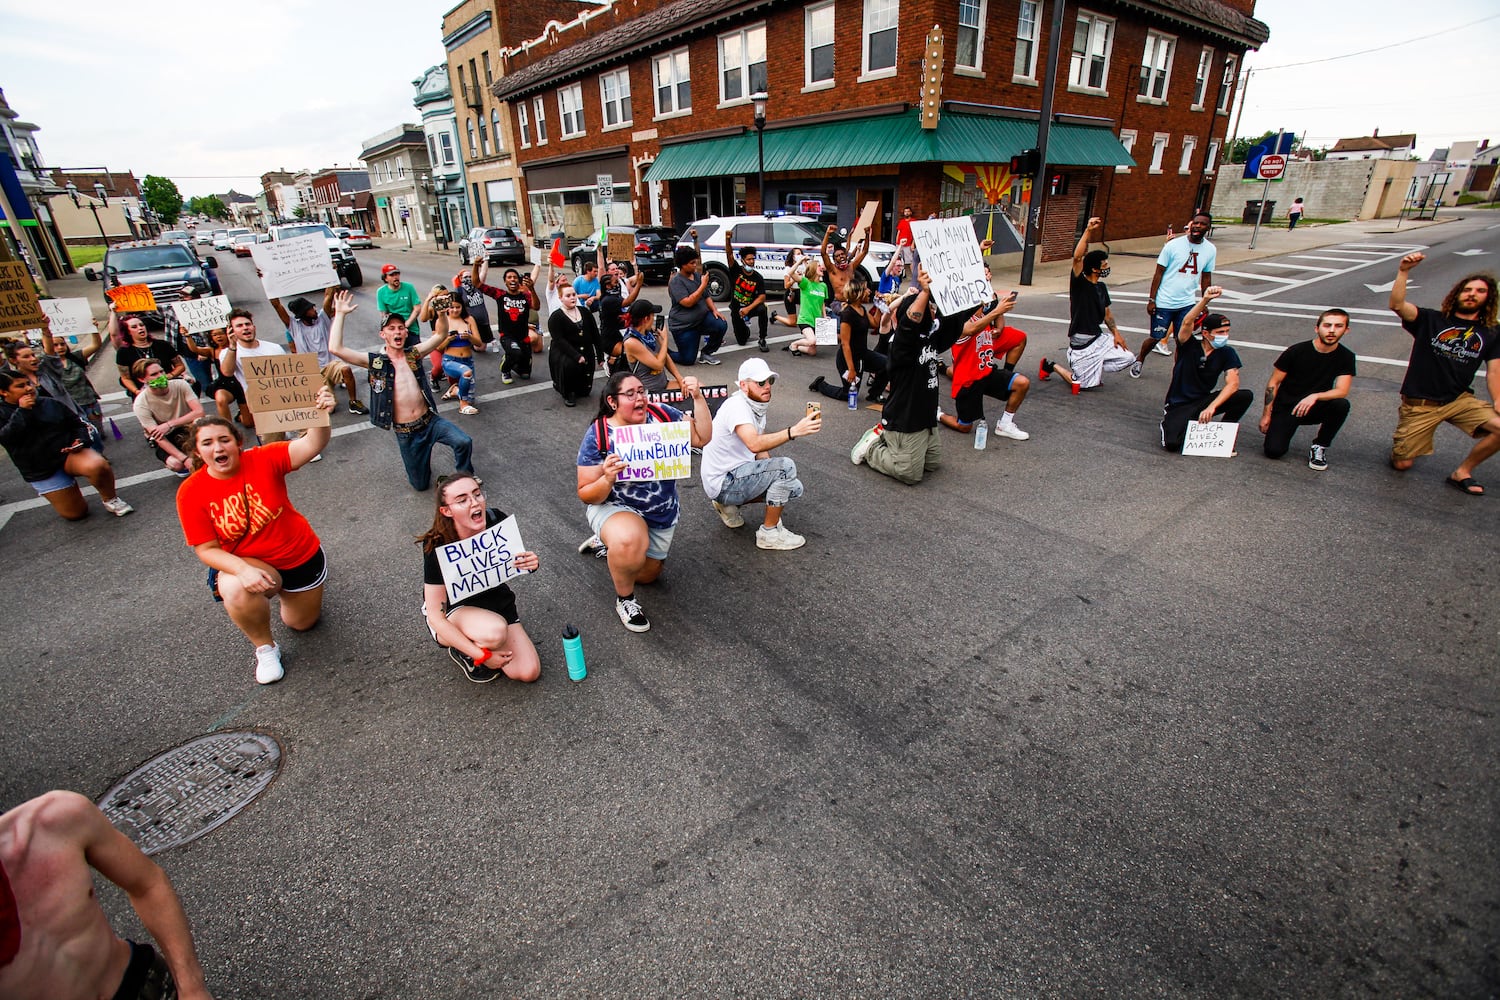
x=160 y=382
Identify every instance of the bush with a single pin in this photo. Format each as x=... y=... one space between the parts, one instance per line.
x=1470 y=199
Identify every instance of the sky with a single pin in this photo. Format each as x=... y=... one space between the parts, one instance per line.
x=238 y=88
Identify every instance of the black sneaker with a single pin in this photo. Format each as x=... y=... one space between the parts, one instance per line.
x=355 y=406
x=1317 y=458
x=477 y=674
x=629 y=610
x=817 y=384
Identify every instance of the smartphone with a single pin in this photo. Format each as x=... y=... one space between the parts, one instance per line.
x=661 y=322
x=815 y=410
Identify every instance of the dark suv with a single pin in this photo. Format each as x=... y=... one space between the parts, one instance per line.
x=654 y=247
x=498 y=244
x=162 y=267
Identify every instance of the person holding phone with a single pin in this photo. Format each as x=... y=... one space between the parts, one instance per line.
x=645 y=348
x=49 y=445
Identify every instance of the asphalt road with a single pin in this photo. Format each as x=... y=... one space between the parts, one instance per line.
x=1072 y=717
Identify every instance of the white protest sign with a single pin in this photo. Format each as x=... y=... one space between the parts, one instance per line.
x=1214 y=439
x=950 y=252
x=70 y=317
x=654 y=451
x=482 y=562
x=202 y=315
x=296 y=265
x=825 y=330
x=862 y=227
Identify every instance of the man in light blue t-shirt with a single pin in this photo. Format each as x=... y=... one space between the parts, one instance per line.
x=1184 y=270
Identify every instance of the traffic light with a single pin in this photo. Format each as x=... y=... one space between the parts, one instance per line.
x=1026 y=163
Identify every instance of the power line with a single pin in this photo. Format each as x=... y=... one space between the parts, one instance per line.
x=1378 y=48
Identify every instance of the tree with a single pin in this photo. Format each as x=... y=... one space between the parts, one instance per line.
x=300 y=212
x=211 y=206
x=163 y=198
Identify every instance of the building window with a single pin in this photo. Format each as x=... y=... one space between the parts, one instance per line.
x=495 y=128
x=1211 y=158
x=1158 y=150
x=1226 y=85
x=1156 y=66
x=484 y=135
x=541 y=121
x=1127 y=139
x=446 y=141
x=970 y=54
x=1189 y=143
x=432 y=156
x=570 y=110
x=742 y=64
x=1088 y=66
x=523 y=124
x=880 y=36
x=470 y=123
x=1026 y=35
x=488 y=80
x=1200 y=81
x=817 y=32
x=614 y=95
x=673 y=87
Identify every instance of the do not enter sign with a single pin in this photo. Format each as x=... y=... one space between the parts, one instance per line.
x=1272 y=166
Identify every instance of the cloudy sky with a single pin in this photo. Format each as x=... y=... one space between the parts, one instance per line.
x=214 y=98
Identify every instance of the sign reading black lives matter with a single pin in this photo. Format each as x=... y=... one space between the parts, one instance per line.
x=202 y=315
x=949 y=251
x=282 y=391
x=488 y=559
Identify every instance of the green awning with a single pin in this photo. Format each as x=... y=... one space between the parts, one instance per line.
x=888 y=139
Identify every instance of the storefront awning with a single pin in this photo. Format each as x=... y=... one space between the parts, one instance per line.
x=888 y=139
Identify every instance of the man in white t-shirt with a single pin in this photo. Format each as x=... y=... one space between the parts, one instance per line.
x=1184 y=270
x=737 y=467
x=307 y=328
x=243 y=343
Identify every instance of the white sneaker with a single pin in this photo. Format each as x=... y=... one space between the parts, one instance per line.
x=118 y=507
x=1010 y=431
x=863 y=445
x=268 y=664
x=778 y=538
x=593 y=546
x=1163 y=348
x=729 y=514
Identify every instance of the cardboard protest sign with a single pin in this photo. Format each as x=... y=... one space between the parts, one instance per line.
x=297 y=265
x=654 y=451
x=18 y=303
x=483 y=562
x=1214 y=439
x=281 y=390
x=132 y=299
x=202 y=315
x=825 y=330
x=70 y=317
x=621 y=246
x=862 y=227
x=950 y=252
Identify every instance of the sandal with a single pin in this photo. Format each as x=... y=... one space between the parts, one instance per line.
x=452 y=392
x=1467 y=486
x=468 y=409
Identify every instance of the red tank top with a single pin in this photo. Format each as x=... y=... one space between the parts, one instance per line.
x=10 y=921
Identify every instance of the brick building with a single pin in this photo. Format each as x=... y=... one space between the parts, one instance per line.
x=656 y=93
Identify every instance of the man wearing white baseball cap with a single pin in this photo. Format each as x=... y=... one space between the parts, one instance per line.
x=737 y=467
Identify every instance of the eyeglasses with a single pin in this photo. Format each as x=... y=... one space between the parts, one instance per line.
x=763 y=382
x=630 y=393
x=468 y=499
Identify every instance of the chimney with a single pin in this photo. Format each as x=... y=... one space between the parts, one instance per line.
x=1375 y=134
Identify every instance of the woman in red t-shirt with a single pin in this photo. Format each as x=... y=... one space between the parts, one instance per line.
x=236 y=515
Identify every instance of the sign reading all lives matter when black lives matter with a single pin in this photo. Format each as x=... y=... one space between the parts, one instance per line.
x=654 y=451
x=1214 y=439
x=949 y=251
x=282 y=390
x=297 y=265
x=485 y=561
x=202 y=315
x=18 y=305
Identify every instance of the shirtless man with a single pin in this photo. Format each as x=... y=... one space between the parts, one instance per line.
x=55 y=942
x=839 y=268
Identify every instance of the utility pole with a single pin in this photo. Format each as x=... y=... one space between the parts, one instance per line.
x=1043 y=130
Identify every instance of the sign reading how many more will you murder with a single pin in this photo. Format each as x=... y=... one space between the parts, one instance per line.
x=654 y=451
x=282 y=390
x=950 y=254
x=485 y=561
x=302 y=264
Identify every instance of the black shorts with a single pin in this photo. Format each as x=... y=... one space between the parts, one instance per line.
x=970 y=399
x=229 y=385
x=308 y=576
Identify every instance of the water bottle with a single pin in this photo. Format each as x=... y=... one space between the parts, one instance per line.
x=573 y=651
x=981 y=434
x=854 y=394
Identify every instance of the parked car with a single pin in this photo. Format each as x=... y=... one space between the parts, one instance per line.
x=164 y=267
x=226 y=241
x=343 y=258
x=358 y=239
x=243 y=242
x=204 y=238
x=499 y=245
x=771 y=236
x=652 y=255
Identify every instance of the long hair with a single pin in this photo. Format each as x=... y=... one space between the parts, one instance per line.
x=1487 y=312
x=213 y=420
x=612 y=389
x=442 y=531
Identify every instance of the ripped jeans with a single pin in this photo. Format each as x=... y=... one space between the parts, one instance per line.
x=461 y=371
x=775 y=477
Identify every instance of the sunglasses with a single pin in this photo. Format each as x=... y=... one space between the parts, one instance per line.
x=764 y=382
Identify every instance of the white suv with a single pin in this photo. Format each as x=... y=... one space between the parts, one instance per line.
x=771 y=236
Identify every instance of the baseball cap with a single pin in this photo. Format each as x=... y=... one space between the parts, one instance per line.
x=389 y=269
x=755 y=370
x=640 y=309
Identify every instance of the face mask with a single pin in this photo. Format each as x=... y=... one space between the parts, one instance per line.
x=1220 y=340
x=160 y=382
x=1104 y=272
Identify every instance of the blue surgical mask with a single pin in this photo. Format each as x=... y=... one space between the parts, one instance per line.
x=1221 y=340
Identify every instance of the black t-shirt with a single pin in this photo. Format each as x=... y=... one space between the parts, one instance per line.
x=745 y=285
x=129 y=355
x=499 y=599
x=610 y=320
x=1309 y=371
x=1196 y=374
x=1087 y=301
x=916 y=347
x=514 y=314
x=1446 y=355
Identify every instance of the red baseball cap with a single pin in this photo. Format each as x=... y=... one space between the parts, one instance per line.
x=389 y=269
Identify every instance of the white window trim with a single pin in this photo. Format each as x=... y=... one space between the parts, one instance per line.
x=541 y=121
x=866 y=74
x=1166 y=87
x=656 y=87
x=976 y=70
x=575 y=89
x=1211 y=158
x=808 y=84
x=1206 y=66
x=622 y=100
x=1036 y=27
x=1189 y=146
x=1127 y=139
x=745 y=64
x=1230 y=77
x=524 y=122
x=1158 y=151
x=1109 y=54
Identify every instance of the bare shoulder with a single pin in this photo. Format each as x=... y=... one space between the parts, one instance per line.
x=54 y=813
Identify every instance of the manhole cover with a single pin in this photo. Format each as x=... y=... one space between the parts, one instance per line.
x=186 y=792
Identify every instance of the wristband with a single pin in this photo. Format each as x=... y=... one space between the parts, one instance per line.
x=484 y=655
x=789 y=435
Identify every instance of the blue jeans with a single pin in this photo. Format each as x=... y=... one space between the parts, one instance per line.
x=416 y=450
x=776 y=478
x=461 y=370
x=201 y=372
x=709 y=334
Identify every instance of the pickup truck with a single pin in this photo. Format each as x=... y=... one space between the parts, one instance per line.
x=164 y=267
x=343 y=258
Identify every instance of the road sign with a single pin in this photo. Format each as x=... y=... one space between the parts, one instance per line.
x=1272 y=166
x=606 y=184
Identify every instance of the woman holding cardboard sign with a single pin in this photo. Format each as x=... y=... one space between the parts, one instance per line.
x=482 y=631
x=236 y=515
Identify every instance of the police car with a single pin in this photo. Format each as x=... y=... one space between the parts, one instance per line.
x=772 y=236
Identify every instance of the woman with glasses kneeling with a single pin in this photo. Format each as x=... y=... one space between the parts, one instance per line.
x=482 y=631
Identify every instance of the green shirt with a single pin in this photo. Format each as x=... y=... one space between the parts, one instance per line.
x=810 y=305
x=403 y=300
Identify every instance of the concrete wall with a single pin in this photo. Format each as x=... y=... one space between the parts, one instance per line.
x=1331 y=189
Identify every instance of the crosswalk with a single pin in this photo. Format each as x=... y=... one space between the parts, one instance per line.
x=1253 y=280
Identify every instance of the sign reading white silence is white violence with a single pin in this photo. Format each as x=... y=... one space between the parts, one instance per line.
x=297 y=265
x=949 y=251
x=654 y=451
x=202 y=315
x=482 y=562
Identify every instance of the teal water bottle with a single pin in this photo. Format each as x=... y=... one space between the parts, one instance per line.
x=573 y=650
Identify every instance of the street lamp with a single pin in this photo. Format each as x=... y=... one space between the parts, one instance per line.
x=759 y=100
x=98 y=190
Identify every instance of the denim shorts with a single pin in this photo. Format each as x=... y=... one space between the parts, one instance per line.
x=1164 y=319
x=59 y=480
x=659 y=541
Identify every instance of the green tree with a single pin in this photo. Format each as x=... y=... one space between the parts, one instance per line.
x=211 y=206
x=300 y=212
x=163 y=198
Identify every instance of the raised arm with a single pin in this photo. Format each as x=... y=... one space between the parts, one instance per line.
x=307 y=447
x=328 y=294
x=703 y=421
x=1398 y=303
x=861 y=249
x=1090 y=233
x=1185 y=328
x=343 y=305
x=281 y=313
x=983 y=320
x=823 y=248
